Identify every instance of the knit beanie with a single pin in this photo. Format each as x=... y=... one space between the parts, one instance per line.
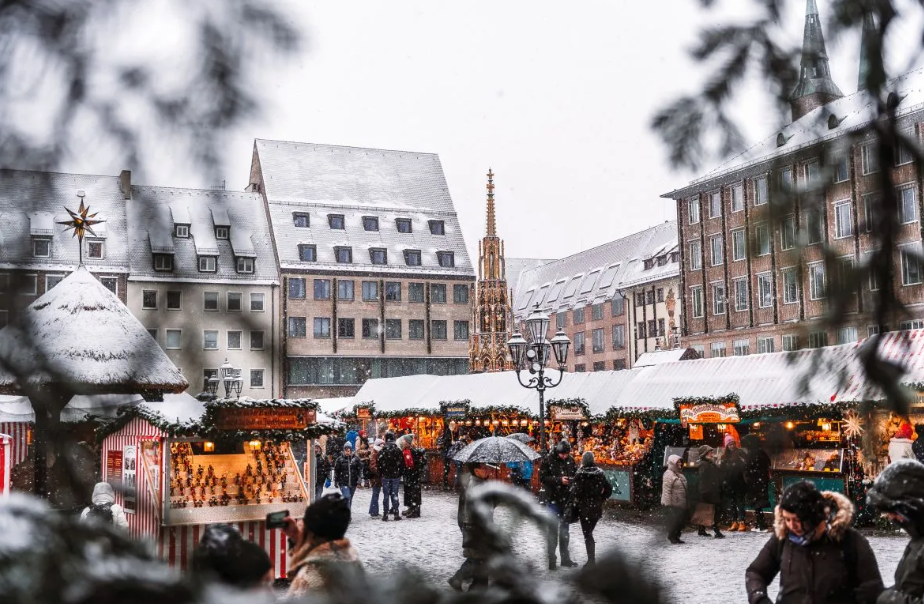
x=704 y=450
x=328 y=517
x=587 y=459
x=728 y=440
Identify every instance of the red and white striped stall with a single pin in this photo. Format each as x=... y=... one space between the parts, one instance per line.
x=17 y=422
x=141 y=462
x=6 y=444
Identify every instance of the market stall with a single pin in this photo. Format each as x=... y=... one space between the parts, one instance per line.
x=6 y=448
x=177 y=467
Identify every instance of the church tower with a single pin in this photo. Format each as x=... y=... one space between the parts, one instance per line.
x=815 y=87
x=491 y=311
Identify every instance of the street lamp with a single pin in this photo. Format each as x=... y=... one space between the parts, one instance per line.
x=535 y=356
x=231 y=378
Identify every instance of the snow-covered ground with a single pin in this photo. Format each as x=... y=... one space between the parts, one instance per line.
x=703 y=570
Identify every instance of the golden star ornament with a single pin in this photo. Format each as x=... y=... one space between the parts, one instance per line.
x=81 y=221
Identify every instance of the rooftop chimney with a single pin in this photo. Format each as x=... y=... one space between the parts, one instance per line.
x=125 y=184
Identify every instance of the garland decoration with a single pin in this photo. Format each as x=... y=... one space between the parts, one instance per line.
x=707 y=400
x=571 y=402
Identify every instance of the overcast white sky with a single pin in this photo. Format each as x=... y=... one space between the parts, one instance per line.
x=556 y=97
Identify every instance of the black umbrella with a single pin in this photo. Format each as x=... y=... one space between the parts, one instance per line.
x=521 y=437
x=496 y=449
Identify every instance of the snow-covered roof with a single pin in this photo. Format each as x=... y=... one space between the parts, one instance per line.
x=79 y=335
x=177 y=408
x=335 y=405
x=851 y=112
x=154 y=212
x=31 y=203
x=597 y=274
x=665 y=356
x=15 y=409
x=324 y=180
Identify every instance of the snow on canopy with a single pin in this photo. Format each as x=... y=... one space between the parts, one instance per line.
x=759 y=380
x=80 y=336
x=334 y=406
x=178 y=408
x=666 y=356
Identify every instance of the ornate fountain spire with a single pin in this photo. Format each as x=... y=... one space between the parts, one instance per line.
x=492 y=222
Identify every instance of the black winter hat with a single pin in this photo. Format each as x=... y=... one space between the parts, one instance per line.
x=389 y=437
x=900 y=488
x=328 y=517
x=563 y=446
x=806 y=502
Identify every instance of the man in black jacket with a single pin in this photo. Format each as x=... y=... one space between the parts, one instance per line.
x=322 y=471
x=555 y=473
x=898 y=494
x=390 y=466
x=346 y=473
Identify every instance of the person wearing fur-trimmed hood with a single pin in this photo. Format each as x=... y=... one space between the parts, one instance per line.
x=898 y=494
x=820 y=558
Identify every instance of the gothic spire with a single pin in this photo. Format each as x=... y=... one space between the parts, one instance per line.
x=815 y=87
x=868 y=39
x=492 y=223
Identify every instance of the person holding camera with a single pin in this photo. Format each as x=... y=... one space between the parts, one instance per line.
x=555 y=473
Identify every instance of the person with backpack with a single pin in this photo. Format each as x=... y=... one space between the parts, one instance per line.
x=898 y=494
x=819 y=557
x=103 y=507
x=390 y=465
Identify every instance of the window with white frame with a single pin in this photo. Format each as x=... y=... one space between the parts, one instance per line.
x=52 y=280
x=110 y=283
x=257 y=303
x=911 y=265
x=739 y=245
x=737 y=197
x=740 y=287
x=912 y=324
x=869 y=159
x=256 y=378
x=174 y=339
x=718 y=298
x=244 y=265
x=786 y=180
x=210 y=301
x=256 y=340
x=182 y=231
x=696 y=298
x=764 y=290
x=741 y=348
x=210 y=339
x=222 y=232
x=817 y=289
x=788 y=232
x=149 y=299
x=693 y=209
x=790 y=286
x=234 y=339
x=841 y=169
x=302 y=220
x=163 y=262
x=765 y=344
x=696 y=255
x=715 y=245
x=715 y=204
x=174 y=300
x=717 y=349
x=234 y=302
x=28 y=285
x=761 y=193
x=872 y=204
x=96 y=249
x=818 y=339
x=812 y=172
x=843 y=220
x=907 y=205
x=700 y=350
x=41 y=247
x=847 y=335
x=208 y=264
x=790 y=343
x=762 y=232
x=903 y=154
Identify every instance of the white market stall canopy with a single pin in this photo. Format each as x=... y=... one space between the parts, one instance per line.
x=821 y=375
x=175 y=407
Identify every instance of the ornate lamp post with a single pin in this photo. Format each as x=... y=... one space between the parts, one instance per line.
x=534 y=356
x=231 y=378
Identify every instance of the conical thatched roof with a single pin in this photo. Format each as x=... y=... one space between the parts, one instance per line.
x=80 y=337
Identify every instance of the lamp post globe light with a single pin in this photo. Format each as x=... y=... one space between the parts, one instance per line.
x=533 y=356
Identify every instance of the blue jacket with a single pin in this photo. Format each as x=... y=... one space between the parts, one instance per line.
x=525 y=468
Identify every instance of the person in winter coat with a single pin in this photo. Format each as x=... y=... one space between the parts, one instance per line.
x=734 y=488
x=818 y=556
x=346 y=473
x=555 y=473
x=674 y=498
x=414 y=462
x=103 y=507
x=390 y=466
x=589 y=491
x=375 y=479
x=898 y=494
x=323 y=468
x=757 y=479
x=521 y=473
x=225 y=556
x=320 y=544
x=474 y=568
x=457 y=446
x=363 y=452
x=710 y=493
x=901 y=446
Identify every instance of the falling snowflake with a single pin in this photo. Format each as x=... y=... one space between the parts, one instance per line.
x=853 y=427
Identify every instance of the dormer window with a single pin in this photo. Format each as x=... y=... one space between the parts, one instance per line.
x=95 y=249
x=403 y=225
x=222 y=232
x=208 y=264
x=308 y=253
x=675 y=257
x=412 y=257
x=244 y=265
x=437 y=227
x=163 y=262
x=378 y=256
x=662 y=260
x=446 y=259
x=370 y=223
x=182 y=231
x=41 y=247
x=301 y=220
x=649 y=264
x=343 y=255
x=336 y=221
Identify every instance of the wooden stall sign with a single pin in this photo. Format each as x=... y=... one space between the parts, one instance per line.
x=567 y=413
x=275 y=418
x=363 y=413
x=709 y=413
x=455 y=410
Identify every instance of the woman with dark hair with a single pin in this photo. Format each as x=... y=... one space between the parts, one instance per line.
x=319 y=545
x=817 y=554
x=223 y=555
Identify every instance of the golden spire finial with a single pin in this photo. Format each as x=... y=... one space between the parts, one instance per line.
x=492 y=225
x=82 y=222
